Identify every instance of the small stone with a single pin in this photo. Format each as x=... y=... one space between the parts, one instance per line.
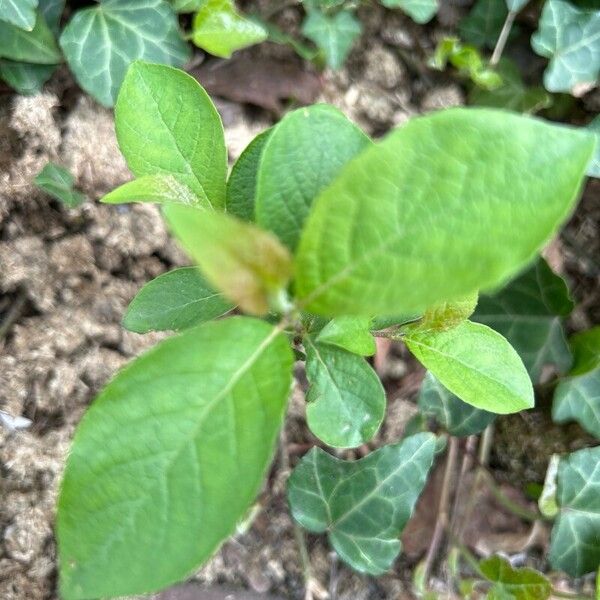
x=384 y=68
x=25 y=537
x=443 y=97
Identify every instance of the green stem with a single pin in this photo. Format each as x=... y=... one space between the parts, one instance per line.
x=514 y=507
x=502 y=38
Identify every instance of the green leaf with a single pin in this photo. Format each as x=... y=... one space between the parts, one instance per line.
x=447 y=315
x=477 y=364
x=249 y=265
x=20 y=13
x=166 y=124
x=241 y=185
x=482 y=26
x=514 y=584
x=219 y=29
x=350 y=333
x=187 y=6
x=405 y=225
x=455 y=416
x=586 y=350
x=363 y=505
x=575 y=541
x=36 y=46
x=528 y=312
x=594 y=168
x=570 y=38
x=421 y=11
x=294 y=168
x=101 y=42
x=346 y=401
x=58 y=183
x=25 y=78
x=333 y=35
x=516 y=5
x=173 y=301
x=169 y=457
x=52 y=11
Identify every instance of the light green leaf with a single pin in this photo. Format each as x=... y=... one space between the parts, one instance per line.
x=447 y=315
x=455 y=416
x=396 y=231
x=159 y=188
x=570 y=38
x=241 y=185
x=147 y=493
x=173 y=301
x=249 y=265
x=58 y=183
x=514 y=584
x=482 y=26
x=25 y=78
x=219 y=29
x=101 y=42
x=421 y=11
x=346 y=401
x=363 y=505
x=528 y=312
x=594 y=168
x=575 y=541
x=477 y=364
x=334 y=35
x=37 y=46
x=303 y=155
x=166 y=124
x=350 y=333
x=20 y=13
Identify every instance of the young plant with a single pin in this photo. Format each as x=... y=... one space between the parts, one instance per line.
x=322 y=237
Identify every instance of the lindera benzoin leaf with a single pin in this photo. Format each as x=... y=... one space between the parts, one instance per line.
x=575 y=541
x=510 y=583
x=455 y=416
x=249 y=265
x=528 y=312
x=349 y=333
x=159 y=189
x=294 y=169
x=173 y=301
x=421 y=11
x=570 y=39
x=58 y=183
x=447 y=315
x=20 y=13
x=345 y=400
x=385 y=244
x=594 y=167
x=114 y=33
x=167 y=125
x=154 y=461
x=36 y=46
x=477 y=364
x=363 y=505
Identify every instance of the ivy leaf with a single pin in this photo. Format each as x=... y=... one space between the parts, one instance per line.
x=114 y=33
x=166 y=124
x=36 y=46
x=594 y=168
x=173 y=301
x=457 y=417
x=52 y=11
x=350 y=333
x=20 y=13
x=25 y=78
x=482 y=26
x=58 y=183
x=575 y=541
x=570 y=38
x=294 y=169
x=159 y=189
x=421 y=11
x=333 y=35
x=363 y=505
x=249 y=265
x=155 y=459
x=219 y=29
x=477 y=364
x=528 y=312
x=514 y=584
x=187 y=6
x=379 y=239
x=345 y=401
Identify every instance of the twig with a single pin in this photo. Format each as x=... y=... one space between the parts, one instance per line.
x=466 y=465
x=13 y=313
x=502 y=38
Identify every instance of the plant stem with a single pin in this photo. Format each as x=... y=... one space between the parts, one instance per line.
x=502 y=38
x=467 y=463
x=507 y=503
x=13 y=313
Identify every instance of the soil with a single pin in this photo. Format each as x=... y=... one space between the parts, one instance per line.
x=67 y=275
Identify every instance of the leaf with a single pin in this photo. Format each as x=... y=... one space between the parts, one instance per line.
x=477 y=364
x=241 y=185
x=166 y=124
x=334 y=35
x=421 y=11
x=516 y=5
x=586 y=350
x=36 y=46
x=173 y=301
x=147 y=492
x=528 y=312
x=52 y=11
x=575 y=541
x=447 y=315
x=294 y=169
x=20 y=13
x=58 y=183
x=570 y=38
x=187 y=6
x=363 y=505
x=482 y=26
x=457 y=417
x=247 y=264
x=219 y=29
x=594 y=167
x=25 y=78
x=350 y=333
x=345 y=400
x=405 y=225
x=514 y=584
x=111 y=35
